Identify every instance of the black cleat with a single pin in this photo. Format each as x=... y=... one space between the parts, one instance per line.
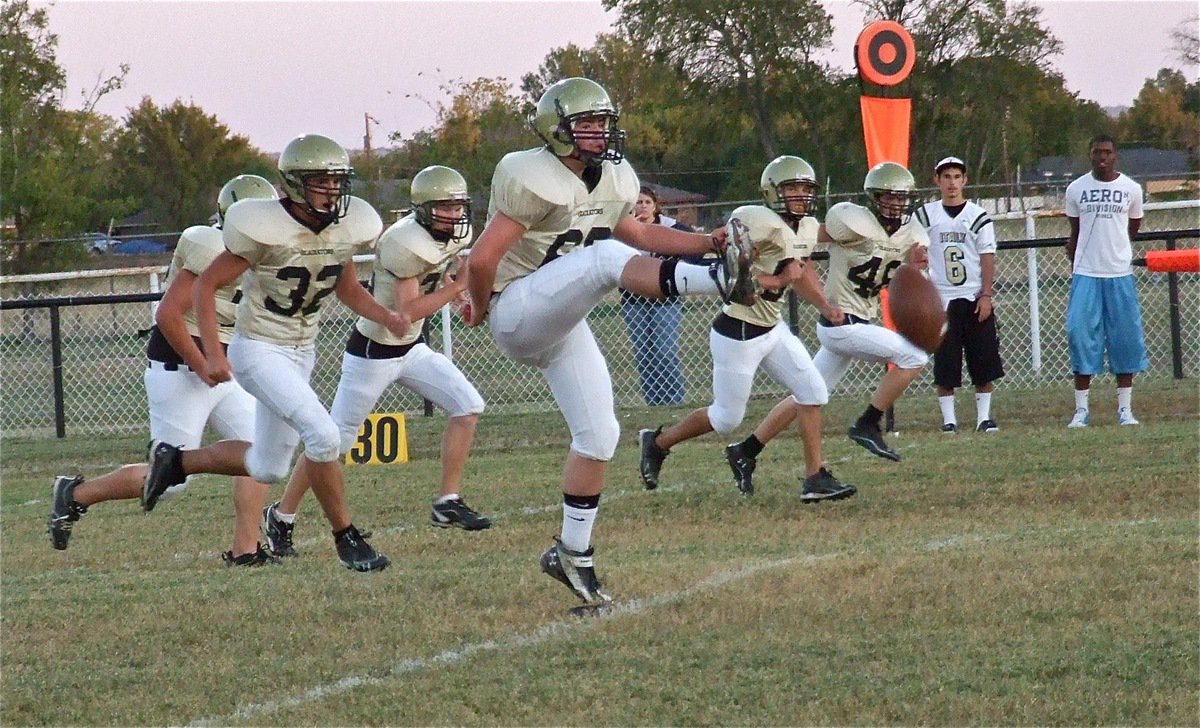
x=734 y=278
x=575 y=570
x=455 y=513
x=822 y=486
x=950 y=428
x=988 y=426
x=277 y=533
x=742 y=467
x=357 y=554
x=871 y=437
x=652 y=458
x=64 y=511
x=258 y=557
x=165 y=469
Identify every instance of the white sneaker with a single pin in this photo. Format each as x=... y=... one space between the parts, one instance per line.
x=1080 y=419
x=1125 y=417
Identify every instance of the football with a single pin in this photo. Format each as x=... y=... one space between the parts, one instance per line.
x=916 y=308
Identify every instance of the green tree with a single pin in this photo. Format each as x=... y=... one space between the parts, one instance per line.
x=736 y=47
x=480 y=123
x=1165 y=114
x=173 y=160
x=55 y=165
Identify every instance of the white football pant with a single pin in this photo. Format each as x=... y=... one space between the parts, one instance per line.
x=841 y=345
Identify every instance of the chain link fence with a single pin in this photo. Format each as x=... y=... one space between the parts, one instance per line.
x=101 y=346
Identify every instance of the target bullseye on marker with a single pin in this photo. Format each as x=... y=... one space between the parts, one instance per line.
x=885 y=53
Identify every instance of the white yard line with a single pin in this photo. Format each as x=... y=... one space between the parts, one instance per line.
x=622 y=609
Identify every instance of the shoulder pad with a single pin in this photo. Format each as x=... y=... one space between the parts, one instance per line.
x=408 y=234
x=360 y=225
x=855 y=218
x=261 y=220
x=538 y=172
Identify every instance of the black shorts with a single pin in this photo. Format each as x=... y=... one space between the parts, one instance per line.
x=966 y=334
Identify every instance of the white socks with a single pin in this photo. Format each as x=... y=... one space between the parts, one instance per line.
x=1081 y=398
x=946 y=404
x=577 y=527
x=983 y=406
x=1125 y=398
x=692 y=279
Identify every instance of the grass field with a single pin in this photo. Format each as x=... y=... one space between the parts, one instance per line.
x=1038 y=576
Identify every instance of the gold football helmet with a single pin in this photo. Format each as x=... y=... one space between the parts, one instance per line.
x=243 y=187
x=782 y=170
x=566 y=102
x=312 y=155
x=893 y=180
x=438 y=184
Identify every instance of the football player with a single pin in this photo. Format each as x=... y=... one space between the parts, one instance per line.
x=783 y=234
x=294 y=251
x=414 y=273
x=545 y=260
x=866 y=244
x=181 y=400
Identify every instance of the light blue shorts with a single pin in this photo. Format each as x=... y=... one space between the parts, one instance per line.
x=1103 y=313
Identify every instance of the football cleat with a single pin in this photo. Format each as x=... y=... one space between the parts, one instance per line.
x=258 y=557
x=987 y=426
x=455 y=513
x=950 y=428
x=64 y=511
x=742 y=466
x=576 y=570
x=1125 y=417
x=822 y=486
x=871 y=437
x=355 y=553
x=165 y=469
x=651 y=460
x=1079 y=419
x=736 y=259
x=276 y=532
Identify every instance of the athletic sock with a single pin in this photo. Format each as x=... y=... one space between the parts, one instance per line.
x=1081 y=398
x=983 y=406
x=946 y=403
x=579 y=514
x=1125 y=398
x=751 y=446
x=870 y=417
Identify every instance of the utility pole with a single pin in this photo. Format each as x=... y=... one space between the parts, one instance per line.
x=367 y=121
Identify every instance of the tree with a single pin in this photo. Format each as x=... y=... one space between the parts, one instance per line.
x=481 y=122
x=732 y=45
x=55 y=165
x=173 y=159
x=1165 y=114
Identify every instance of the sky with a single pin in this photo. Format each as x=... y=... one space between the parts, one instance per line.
x=273 y=70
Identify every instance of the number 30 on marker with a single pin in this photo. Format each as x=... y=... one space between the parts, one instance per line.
x=381 y=440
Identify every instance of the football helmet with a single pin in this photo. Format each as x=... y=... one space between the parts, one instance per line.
x=311 y=155
x=789 y=169
x=890 y=178
x=438 y=184
x=566 y=102
x=242 y=187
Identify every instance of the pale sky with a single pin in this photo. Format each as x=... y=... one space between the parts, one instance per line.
x=273 y=70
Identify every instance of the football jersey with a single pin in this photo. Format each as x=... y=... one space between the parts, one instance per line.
x=292 y=269
x=407 y=250
x=776 y=244
x=199 y=246
x=1104 y=210
x=863 y=256
x=560 y=215
x=955 y=244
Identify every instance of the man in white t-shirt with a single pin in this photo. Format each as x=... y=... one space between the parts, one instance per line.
x=962 y=265
x=1104 y=209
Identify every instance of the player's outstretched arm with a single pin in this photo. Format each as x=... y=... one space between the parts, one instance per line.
x=665 y=240
x=502 y=232
x=225 y=269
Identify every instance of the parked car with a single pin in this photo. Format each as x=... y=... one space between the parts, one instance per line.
x=99 y=242
x=138 y=246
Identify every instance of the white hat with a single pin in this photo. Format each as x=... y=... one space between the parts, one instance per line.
x=950 y=162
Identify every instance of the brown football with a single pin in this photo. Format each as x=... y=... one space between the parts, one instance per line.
x=916 y=308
